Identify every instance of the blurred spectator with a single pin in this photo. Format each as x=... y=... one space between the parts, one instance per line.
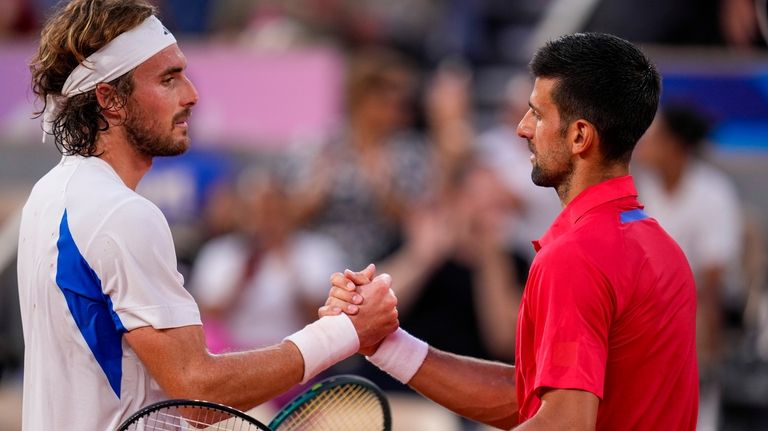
x=379 y=167
x=18 y=18
x=458 y=287
x=219 y=213
x=691 y=22
x=507 y=154
x=266 y=279
x=699 y=207
x=353 y=23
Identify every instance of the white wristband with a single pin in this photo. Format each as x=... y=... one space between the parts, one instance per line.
x=400 y=355
x=325 y=342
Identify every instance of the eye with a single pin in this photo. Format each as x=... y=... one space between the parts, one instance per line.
x=168 y=80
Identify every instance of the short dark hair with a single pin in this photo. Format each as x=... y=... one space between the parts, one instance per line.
x=605 y=80
x=687 y=123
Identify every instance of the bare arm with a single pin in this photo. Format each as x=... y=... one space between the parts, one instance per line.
x=180 y=362
x=710 y=317
x=497 y=296
x=564 y=409
x=481 y=390
x=178 y=359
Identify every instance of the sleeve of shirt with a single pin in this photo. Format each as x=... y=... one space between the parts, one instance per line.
x=572 y=309
x=135 y=260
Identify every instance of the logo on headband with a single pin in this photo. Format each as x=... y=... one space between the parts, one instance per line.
x=165 y=31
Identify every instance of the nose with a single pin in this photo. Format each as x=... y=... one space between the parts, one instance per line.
x=191 y=96
x=524 y=129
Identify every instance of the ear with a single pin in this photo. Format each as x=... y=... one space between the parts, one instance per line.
x=583 y=137
x=108 y=101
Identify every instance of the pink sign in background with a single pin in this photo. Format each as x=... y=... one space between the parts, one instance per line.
x=247 y=97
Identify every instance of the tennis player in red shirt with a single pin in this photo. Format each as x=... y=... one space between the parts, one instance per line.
x=606 y=329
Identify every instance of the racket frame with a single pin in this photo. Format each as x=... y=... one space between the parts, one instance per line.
x=327 y=384
x=188 y=403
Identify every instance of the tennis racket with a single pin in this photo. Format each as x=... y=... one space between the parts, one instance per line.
x=180 y=415
x=341 y=403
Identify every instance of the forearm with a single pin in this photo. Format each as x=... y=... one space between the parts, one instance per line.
x=498 y=301
x=564 y=409
x=242 y=380
x=183 y=367
x=178 y=360
x=710 y=315
x=481 y=390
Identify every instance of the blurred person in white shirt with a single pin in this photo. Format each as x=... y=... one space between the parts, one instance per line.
x=266 y=278
x=698 y=205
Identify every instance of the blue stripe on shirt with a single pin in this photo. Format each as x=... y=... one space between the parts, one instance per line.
x=90 y=307
x=633 y=215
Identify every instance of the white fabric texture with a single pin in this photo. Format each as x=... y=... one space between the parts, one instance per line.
x=400 y=355
x=126 y=243
x=325 y=342
x=118 y=57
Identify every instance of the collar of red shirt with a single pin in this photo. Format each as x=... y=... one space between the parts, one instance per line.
x=591 y=197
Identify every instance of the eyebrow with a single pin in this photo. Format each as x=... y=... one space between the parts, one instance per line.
x=171 y=70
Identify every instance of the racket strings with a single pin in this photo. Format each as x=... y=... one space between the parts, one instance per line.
x=341 y=408
x=192 y=418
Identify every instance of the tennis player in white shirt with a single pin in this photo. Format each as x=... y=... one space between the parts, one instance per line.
x=108 y=324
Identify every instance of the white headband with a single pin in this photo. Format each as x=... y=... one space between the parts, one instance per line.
x=118 y=57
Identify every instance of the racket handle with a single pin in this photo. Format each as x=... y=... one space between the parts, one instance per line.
x=325 y=342
x=400 y=355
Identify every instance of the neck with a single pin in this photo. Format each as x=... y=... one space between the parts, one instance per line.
x=586 y=177
x=130 y=164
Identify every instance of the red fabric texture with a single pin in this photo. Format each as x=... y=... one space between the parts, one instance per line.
x=610 y=308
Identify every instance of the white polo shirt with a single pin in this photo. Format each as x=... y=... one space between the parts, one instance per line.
x=95 y=260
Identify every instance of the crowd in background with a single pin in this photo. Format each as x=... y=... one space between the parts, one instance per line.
x=411 y=182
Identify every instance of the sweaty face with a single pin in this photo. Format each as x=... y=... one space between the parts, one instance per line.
x=160 y=105
x=541 y=127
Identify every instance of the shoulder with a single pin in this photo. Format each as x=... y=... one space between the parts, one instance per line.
x=94 y=191
x=565 y=257
x=116 y=215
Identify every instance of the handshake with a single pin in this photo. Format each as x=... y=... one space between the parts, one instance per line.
x=368 y=301
x=360 y=316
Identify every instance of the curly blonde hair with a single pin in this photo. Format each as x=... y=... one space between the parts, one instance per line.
x=74 y=32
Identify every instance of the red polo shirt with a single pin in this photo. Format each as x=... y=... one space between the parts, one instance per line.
x=610 y=308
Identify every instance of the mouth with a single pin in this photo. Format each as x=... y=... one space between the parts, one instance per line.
x=180 y=120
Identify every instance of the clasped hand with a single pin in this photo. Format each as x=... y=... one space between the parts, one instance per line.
x=369 y=302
